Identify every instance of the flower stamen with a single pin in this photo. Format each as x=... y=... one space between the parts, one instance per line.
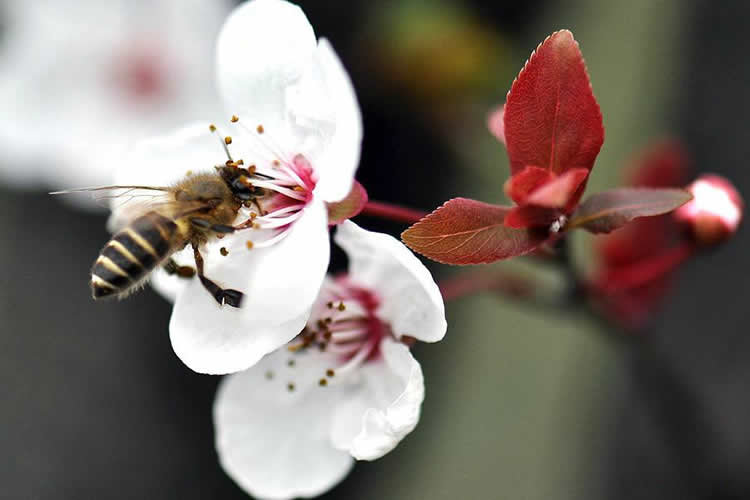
x=271 y=241
x=269 y=222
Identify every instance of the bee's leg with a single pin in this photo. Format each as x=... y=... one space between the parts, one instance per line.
x=257 y=205
x=222 y=295
x=223 y=229
x=171 y=267
x=217 y=228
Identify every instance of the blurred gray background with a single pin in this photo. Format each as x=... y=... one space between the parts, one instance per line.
x=520 y=405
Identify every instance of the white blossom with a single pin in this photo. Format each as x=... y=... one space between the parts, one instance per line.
x=82 y=80
x=298 y=125
x=346 y=388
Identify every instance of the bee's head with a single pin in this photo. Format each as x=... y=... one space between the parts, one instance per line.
x=239 y=180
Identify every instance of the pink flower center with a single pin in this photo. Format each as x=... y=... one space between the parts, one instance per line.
x=343 y=323
x=287 y=181
x=141 y=74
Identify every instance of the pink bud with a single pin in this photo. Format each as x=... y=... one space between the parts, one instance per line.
x=496 y=123
x=715 y=211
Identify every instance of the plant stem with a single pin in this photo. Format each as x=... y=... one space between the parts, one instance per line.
x=576 y=288
x=392 y=212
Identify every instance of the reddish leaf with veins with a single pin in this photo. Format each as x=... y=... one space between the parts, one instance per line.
x=465 y=231
x=552 y=127
x=521 y=185
x=563 y=192
x=524 y=216
x=606 y=211
x=543 y=205
x=552 y=119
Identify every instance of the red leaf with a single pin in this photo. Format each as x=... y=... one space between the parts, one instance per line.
x=609 y=210
x=529 y=216
x=563 y=192
x=552 y=119
x=350 y=206
x=661 y=165
x=550 y=196
x=496 y=123
x=465 y=231
x=523 y=183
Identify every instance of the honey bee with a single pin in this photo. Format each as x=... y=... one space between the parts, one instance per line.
x=193 y=211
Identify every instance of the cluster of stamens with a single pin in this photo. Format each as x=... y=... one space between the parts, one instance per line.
x=286 y=182
x=342 y=324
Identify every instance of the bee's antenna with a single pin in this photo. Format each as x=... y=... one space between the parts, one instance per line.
x=224 y=141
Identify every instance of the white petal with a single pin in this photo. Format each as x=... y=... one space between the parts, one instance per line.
x=280 y=281
x=386 y=406
x=168 y=286
x=264 y=47
x=274 y=443
x=217 y=340
x=78 y=110
x=410 y=299
x=338 y=161
x=280 y=284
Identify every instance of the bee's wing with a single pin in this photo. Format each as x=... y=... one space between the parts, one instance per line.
x=126 y=202
x=169 y=208
x=129 y=202
x=115 y=197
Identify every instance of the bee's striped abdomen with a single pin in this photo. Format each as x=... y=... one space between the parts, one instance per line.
x=131 y=254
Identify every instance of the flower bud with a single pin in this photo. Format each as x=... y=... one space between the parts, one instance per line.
x=715 y=211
